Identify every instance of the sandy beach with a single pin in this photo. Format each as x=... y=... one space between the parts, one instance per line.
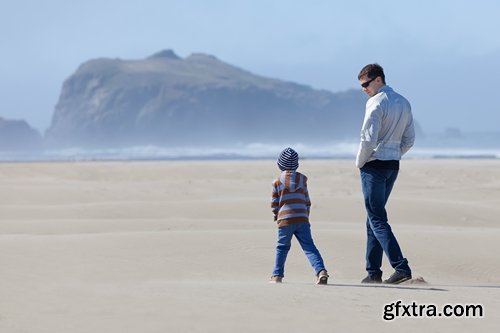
x=189 y=246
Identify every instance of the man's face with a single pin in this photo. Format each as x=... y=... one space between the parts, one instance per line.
x=370 y=86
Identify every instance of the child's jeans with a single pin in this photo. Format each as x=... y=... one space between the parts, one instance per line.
x=303 y=233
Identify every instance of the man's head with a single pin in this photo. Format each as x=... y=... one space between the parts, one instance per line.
x=371 y=78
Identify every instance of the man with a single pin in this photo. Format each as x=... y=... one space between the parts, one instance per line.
x=386 y=135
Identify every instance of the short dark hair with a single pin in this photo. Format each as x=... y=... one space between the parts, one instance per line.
x=372 y=71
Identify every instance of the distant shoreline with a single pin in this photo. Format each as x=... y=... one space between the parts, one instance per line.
x=255 y=151
x=225 y=158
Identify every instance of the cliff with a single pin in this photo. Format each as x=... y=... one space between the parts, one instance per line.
x=166 y=100
x=18 y=136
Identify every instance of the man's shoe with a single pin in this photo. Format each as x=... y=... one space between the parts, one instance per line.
x=374 y=279
x=397 y=278
x=322 y=277
x=276 y=279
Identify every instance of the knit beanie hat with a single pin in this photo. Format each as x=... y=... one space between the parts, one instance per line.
x=288 y=160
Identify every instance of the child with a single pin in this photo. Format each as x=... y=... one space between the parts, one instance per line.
x=290 y=204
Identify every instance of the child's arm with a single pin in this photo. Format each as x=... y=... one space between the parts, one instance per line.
x=308 y=200
x=275 y=201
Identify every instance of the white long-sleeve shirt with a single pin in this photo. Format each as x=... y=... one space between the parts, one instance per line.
x=388 y=131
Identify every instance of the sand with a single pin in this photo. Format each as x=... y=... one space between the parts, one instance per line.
x=189 y=247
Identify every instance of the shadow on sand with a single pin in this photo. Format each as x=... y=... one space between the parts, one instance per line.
x=385 y=286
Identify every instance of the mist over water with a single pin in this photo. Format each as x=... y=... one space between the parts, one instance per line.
x=484 y=146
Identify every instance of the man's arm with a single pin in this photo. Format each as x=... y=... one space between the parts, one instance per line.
x=369 y=134
x=408 y=138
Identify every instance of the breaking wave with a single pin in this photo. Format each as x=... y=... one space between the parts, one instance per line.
x=337 y=150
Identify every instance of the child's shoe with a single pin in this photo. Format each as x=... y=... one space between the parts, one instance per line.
x=322 y=277
x=276 y=279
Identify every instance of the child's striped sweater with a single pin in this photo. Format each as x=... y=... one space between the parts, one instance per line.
x=290 y=201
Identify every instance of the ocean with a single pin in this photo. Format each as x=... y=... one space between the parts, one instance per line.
x=332 y=150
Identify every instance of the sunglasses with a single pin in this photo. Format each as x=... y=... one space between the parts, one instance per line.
x=367 y=83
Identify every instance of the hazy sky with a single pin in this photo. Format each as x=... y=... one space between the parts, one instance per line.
x=444 y=56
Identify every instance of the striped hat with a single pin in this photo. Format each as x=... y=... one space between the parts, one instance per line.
x=288 y=160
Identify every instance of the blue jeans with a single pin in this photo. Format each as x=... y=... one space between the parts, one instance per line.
x=377 y=186
x=302 y=232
